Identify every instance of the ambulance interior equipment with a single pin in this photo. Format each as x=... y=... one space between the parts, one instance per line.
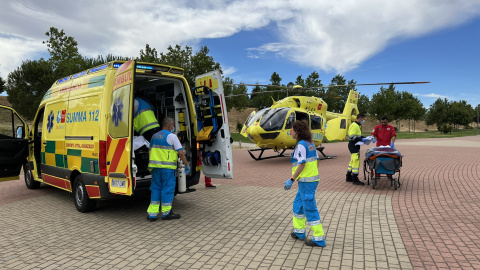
x=167 y=98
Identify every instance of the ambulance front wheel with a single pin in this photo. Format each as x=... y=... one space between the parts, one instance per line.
x=83 y=203
x=28 y=175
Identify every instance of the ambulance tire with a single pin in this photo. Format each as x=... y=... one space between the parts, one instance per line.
x=28 y=176
x=83 y=203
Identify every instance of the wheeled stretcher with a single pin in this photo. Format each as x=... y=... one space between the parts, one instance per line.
x=382 y=162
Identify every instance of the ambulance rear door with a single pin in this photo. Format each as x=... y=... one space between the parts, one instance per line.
x=212 y=121
x=13 y=144
x=119 y=126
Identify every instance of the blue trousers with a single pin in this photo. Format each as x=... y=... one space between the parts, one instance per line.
x=163 y=190
x=305 y=207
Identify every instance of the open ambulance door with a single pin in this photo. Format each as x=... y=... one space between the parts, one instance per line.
x=13 y=144
x=118 y=145
x=212 y=123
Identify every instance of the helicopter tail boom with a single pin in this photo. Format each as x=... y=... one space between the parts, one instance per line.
x=337 y=124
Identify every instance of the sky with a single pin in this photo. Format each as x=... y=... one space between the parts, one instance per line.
x=369 y=41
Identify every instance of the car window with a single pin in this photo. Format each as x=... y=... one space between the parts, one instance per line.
x=6 y=125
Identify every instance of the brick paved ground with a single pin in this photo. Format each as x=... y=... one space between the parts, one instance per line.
x=430 y=222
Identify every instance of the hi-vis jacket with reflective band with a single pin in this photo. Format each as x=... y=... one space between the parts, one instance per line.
x=354 y=136
x=310 y=172
x=162 y=155
x=144 y=118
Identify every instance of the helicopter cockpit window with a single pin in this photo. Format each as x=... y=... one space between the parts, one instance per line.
x=256 y=116
x=274 y=119
x=316 y=122
x=290 y=120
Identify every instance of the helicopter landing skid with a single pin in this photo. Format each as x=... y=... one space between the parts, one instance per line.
x=280 y=154
x=320 y=149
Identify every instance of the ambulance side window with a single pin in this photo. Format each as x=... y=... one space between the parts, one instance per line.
x=6 y=125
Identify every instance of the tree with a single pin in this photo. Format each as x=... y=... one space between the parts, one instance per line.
x=201 y=63
x=410 y=108
x=193 y=65
x=261 y=101
x=28 y=84
x=438 y=113
x=99 y=60
x=336 y=104
x=2 y=85
x=384 y=103
x=300 y=81
x=64 y=54
x=363 y=104
x=313 y=81
x=149 y=55
x=461 y=113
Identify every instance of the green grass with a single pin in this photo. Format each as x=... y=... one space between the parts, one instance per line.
x=239 y=138
x=400 y=135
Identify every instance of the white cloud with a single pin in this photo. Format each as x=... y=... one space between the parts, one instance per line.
x=329 y=35
x=13 y=51
x=340 y=35
x=228 y=71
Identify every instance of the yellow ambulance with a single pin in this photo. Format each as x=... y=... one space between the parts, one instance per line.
x=82 y=139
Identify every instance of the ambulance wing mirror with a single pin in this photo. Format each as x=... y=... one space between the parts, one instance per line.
x=20 y=132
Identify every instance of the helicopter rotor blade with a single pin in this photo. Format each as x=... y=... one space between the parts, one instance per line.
x=262 y=85
x=365 y=84
x=314 y=89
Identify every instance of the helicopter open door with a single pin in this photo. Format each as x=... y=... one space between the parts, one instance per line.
x=336 y=129
x=13 y=144
x=212 y=123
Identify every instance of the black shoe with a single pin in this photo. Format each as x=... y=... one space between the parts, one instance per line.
x=310 y=243
x=151 y=219
x=359 y=183
x=295 y=236
x=211 y=186
x=349 y=177
x=171 y=216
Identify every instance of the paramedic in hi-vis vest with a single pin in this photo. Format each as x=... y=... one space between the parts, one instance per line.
x=144 y=120
x=305 y=172
x=164 y=151
x=355 y=135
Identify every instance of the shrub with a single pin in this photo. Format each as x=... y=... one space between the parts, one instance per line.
x=445 y=128
x=239 y=127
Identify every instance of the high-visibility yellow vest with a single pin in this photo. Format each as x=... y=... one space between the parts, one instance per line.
x=310 y=172
x=144 y=118
x=162 y=155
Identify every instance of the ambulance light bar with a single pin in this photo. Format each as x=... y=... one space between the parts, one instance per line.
x=147 y=67
x=98 y=68
x=79 y=74
x=64 y=79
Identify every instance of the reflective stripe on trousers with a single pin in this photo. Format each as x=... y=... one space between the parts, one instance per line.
x=354 y=163
x=305 y=209
x=163 y=190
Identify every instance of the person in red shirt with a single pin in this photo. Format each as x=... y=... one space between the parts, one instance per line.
x=384 y=133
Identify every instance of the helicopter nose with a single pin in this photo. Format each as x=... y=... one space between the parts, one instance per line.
x=254 y=132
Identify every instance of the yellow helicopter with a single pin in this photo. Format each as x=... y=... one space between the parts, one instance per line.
x=270 y=128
